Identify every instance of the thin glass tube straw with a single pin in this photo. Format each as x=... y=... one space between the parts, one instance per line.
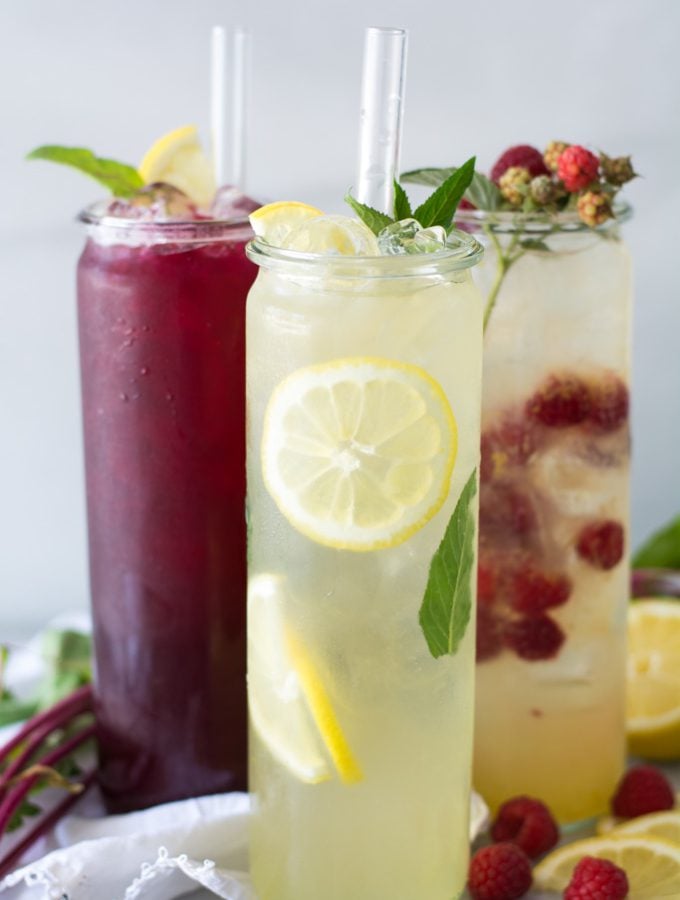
x=382 y=95
x=218 y=99
x=239 y=81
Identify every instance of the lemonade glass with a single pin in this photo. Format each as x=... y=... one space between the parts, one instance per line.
x=554 y=516
x=363 y=396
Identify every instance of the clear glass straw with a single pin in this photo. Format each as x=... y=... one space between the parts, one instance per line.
x=382 y=94
x=229 y=82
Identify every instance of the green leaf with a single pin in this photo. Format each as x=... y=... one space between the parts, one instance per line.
x=67 y=655
x=447 y=603
x=402 y=205
x=534 y=244
x=661 y=550
x=25 y=810
x=482 y=192
x=440 y=207
x=14 y=710
x=122 y=180
x=372 y=218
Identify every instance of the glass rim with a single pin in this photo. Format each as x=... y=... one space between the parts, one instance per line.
x=165 y=231
x=513 y=221
x=462 y=251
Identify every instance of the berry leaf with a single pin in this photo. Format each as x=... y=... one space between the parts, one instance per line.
x=402 y=205
x=372 y=218
x=440 y=207
x=447 y=603
x=122 y=180
x=661 y=550
x=482 y=192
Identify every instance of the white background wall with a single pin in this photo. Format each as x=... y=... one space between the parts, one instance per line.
x=481 y=76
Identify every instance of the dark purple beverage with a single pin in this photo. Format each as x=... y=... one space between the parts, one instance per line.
x=161 y=317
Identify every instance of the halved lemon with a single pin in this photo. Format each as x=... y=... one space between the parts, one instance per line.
x=652 y=864
x=653 y=710
x=177 y=158
x=358 y=453
x=290 y=707
x=275 y=221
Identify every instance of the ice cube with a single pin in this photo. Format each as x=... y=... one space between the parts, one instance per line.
x=157 y=202
x=232 y=203
x=394 y=239
x=332 y=236
x=429 y=240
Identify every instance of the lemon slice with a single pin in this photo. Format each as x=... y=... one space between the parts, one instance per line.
x=653 y=711
x=177 y=158
x=652 y=864
x=607 y=824
x=358 y=453
x=664 y=824
x=289 y=706
x=275 y=221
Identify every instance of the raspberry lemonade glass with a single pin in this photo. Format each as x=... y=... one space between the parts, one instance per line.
x=162 y=333
x=553 y=573
x=362 y=440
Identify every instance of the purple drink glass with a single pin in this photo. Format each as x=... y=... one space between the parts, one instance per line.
x=161 y=320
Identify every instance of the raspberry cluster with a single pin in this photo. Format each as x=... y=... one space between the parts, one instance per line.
x=522 y=575
x=564 y=176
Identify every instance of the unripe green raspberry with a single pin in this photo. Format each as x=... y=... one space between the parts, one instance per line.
x=553 y=151
x=594 y=208
x=617 y=170
x=514 y=184
x=542 y=190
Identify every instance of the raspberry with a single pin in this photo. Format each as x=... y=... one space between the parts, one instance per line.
x=514 y=184
x=533 y=592
x=560 y=402
x=618 y=170
x=594 y=208
x=608 y=403
x=465 y=204
x=489 y=634
x=601 y=544
x=553 y=151
x=522 y=155
x=486 y=584
x=534 y=637
x=577 y=168
x=542 y=190
x=499 y=872
x=506 y=509
x=512 y=443
x=642 y=790
x=597 y=879
x=528 y=824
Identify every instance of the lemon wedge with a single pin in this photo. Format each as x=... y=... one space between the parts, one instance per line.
x=653 y=710
x=178 y=159
x=358 y=453
x=290 y=708
x=275 y=221
x=652 y=864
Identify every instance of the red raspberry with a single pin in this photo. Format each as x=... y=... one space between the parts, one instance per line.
x=523 y=156
x=608 y=404
x=534 y=637
x=527 y=823
x=533 y=592
x=486 y=583
x=601 y=544
x=465 y=204
x=577 y=168
x=512 y=443
x=597 y=879
x=489 y=634
x=560 y=402
x=642 y=790
x=506 y=509
x=499 y=872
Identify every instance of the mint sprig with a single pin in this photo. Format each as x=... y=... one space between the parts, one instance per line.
x=439 y=208
x=119 y=178
x=447 y=602
x=481 y=192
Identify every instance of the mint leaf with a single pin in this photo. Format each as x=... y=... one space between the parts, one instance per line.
x=25 y=810
x=661 y=550
x=440 y=207
x=122 y=180
x=447 y=603
x=372 y=218
x=482 y=192
x=67 y=655
x=402 y=205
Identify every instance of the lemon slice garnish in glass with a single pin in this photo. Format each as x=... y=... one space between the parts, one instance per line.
x=290 y=707
x=178 y=159
x=275 y=221
x=358 y=453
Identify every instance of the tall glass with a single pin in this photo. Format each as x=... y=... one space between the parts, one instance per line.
x=359 y=373
x=554 y=517
x=162 y=344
